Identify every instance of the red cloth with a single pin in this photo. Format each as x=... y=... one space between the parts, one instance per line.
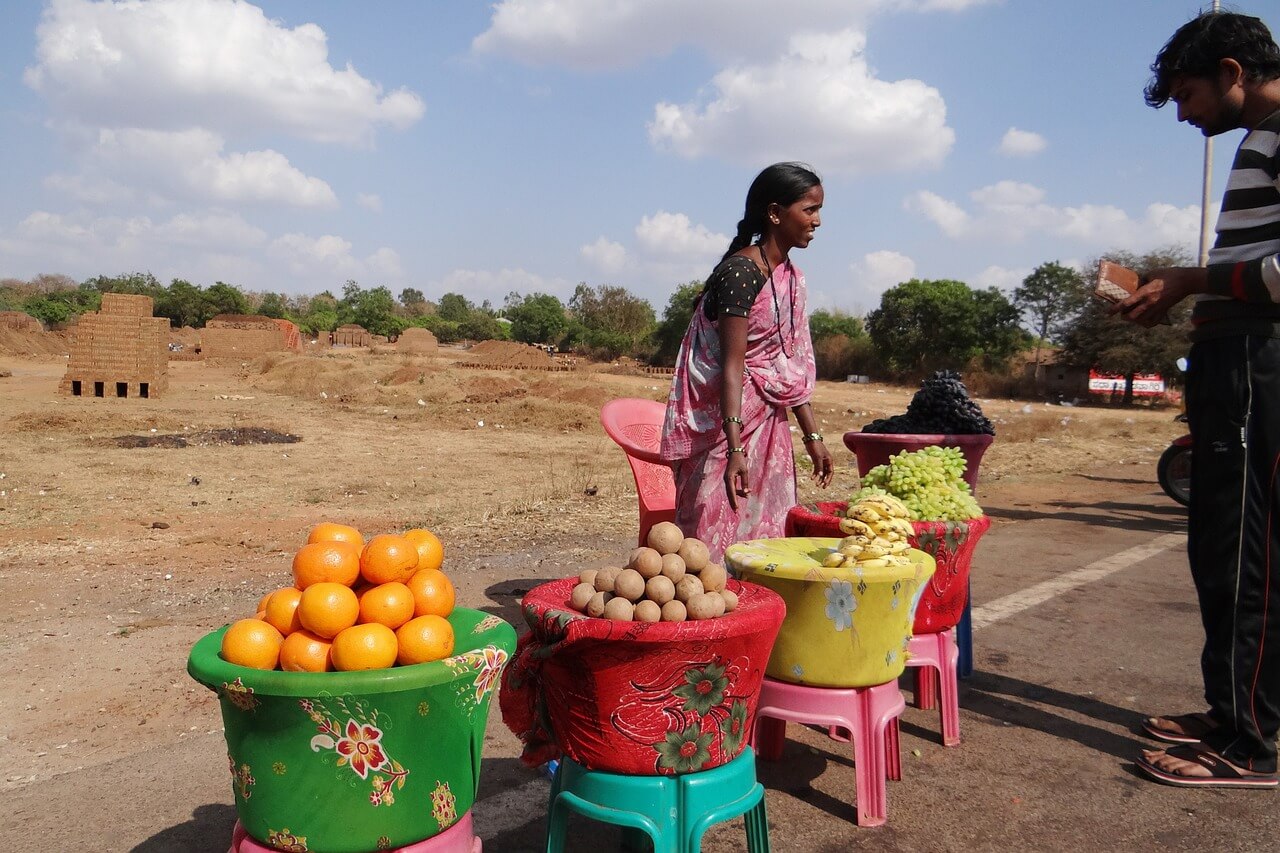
x=636 y=698
x=950 y=543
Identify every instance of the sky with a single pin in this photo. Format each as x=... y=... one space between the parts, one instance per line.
x=529 y=145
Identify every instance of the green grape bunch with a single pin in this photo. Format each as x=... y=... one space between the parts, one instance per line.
x=929 y=482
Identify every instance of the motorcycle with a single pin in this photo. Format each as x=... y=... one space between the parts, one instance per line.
x=1174 y=468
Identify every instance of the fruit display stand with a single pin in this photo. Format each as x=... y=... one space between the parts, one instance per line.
x=352 y=762
x=846 y=626
x=872 y=449
x=661 y=698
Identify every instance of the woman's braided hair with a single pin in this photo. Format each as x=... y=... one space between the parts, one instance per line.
x=781 y=183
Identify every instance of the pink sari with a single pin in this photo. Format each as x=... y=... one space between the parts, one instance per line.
x=779 y=374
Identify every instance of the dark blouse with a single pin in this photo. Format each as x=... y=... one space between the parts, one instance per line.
x=732 y=288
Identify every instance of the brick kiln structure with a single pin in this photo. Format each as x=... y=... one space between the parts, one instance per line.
x=352 y=335
x=120 y=351
x=246 y=336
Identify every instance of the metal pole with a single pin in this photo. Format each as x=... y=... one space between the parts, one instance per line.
x=1206 y=186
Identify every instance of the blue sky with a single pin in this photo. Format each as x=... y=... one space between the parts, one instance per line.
x=529 y=145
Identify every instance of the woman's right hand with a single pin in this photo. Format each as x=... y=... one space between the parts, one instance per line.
x=736 y=484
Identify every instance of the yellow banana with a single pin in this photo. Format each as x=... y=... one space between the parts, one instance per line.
x=854 y=527
x=833 y=560
x=877 y=563
x=874 y=551
x=864 y=512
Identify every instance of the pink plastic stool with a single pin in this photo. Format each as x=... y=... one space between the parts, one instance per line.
x=459 y=838
x=870 y=714
x=938 y=652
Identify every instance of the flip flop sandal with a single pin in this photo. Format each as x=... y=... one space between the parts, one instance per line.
x=1221 y=774
x=1194 y=728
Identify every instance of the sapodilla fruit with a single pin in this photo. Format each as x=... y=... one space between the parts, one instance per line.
x=665 y=538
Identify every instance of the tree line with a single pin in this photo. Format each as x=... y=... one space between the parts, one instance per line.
x=919 y=326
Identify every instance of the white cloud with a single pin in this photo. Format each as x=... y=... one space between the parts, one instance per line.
x=672 y=236
x=592 y=34
x=328 y=254
x=819 y=102
x=605 y=255
x=999 y=277
x=155 y=65
x=385 y=262
x=370 y=201
x=494 y=285
x=1011 y=211
x=1021 y=143
x=879 y=271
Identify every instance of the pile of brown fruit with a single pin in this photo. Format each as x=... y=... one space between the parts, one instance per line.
x=671 y=580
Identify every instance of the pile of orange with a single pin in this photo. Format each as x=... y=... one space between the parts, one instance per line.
x=353 y=605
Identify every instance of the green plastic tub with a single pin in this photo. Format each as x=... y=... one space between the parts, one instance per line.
x=349 y=762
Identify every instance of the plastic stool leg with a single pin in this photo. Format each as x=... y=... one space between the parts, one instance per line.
x=949 y=702
x=771 y=734
x=868 y=763
x=892 y=751
x=926 y=688
x=757 y=829
x=964 y=639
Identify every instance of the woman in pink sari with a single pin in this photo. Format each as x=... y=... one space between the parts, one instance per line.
x=746 y=359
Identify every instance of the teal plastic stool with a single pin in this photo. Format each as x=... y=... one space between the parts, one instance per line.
x=674 y=811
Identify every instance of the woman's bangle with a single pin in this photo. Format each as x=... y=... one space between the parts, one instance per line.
x=731 y=420
x=812 y=436
x=735 y=450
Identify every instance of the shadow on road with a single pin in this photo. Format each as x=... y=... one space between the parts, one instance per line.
x=208 y=831
x=995 y=696
x=1127 y=516
x=506 y=596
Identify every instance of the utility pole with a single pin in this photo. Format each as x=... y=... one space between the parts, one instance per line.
x=1206 y=185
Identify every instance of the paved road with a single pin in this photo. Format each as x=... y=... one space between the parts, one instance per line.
x=1086 y=622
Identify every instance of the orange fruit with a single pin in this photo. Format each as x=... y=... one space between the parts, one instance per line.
x=326 y=562
x=430 y=548
x=303 y=651
x=282 y=610
x=329 y=532
x=262 y=602
x=370 y=646
x=327 y=608
x=423 y=639
x=433 y=593
x=389 y=604
x=252 y=643
x=388 y=558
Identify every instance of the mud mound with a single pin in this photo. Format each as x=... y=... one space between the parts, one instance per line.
x=418 y=342
x=509 y=354
x=493 y=389
x=33 y=344
x=323 y=378
x=236 y=437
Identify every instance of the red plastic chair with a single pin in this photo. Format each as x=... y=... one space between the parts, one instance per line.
x=635 y=425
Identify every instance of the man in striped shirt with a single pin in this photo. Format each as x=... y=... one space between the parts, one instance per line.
x=1222 y=70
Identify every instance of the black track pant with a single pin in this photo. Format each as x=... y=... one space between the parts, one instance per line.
x=1233 y=403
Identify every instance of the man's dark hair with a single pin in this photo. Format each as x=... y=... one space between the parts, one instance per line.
x=1200 y=45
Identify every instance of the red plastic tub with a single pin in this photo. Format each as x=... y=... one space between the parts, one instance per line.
x=643 y=699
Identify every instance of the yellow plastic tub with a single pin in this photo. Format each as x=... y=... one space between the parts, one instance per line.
x=845 y=627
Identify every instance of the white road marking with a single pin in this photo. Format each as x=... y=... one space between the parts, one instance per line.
x=1014 y=603
x=511 y=809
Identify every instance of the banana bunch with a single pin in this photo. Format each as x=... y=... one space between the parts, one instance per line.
x=876 y=534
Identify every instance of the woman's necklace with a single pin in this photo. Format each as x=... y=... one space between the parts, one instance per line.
x=788 y=343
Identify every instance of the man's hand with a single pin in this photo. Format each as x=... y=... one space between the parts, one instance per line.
x=1161 y=290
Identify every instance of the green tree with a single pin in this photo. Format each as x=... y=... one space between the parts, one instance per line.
x=60 y=306
x=184 y=303
x=610 y=320
x=922 y=326
x=225 y=298
x=454 y=307
x=273 y=305
x=536 y=319
x=142 y=283
x=375 y=310
x=479 y=326
x=411 y=296
x=1094 y=339
x=1045 y=299
x=675 y=322
x=824 y=324
x=321 y=314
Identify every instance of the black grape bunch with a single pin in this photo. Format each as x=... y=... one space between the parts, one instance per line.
x=941 y=406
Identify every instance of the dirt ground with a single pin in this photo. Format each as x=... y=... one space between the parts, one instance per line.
x=120 y=547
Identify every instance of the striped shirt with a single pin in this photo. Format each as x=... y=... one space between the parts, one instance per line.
x=1244 y=264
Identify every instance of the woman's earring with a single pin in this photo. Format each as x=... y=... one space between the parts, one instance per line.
x=775 y=220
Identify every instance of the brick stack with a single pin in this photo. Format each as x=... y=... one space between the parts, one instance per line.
x=352 y=335
x=120 y=351
x=292 y=338
x=241 y=337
